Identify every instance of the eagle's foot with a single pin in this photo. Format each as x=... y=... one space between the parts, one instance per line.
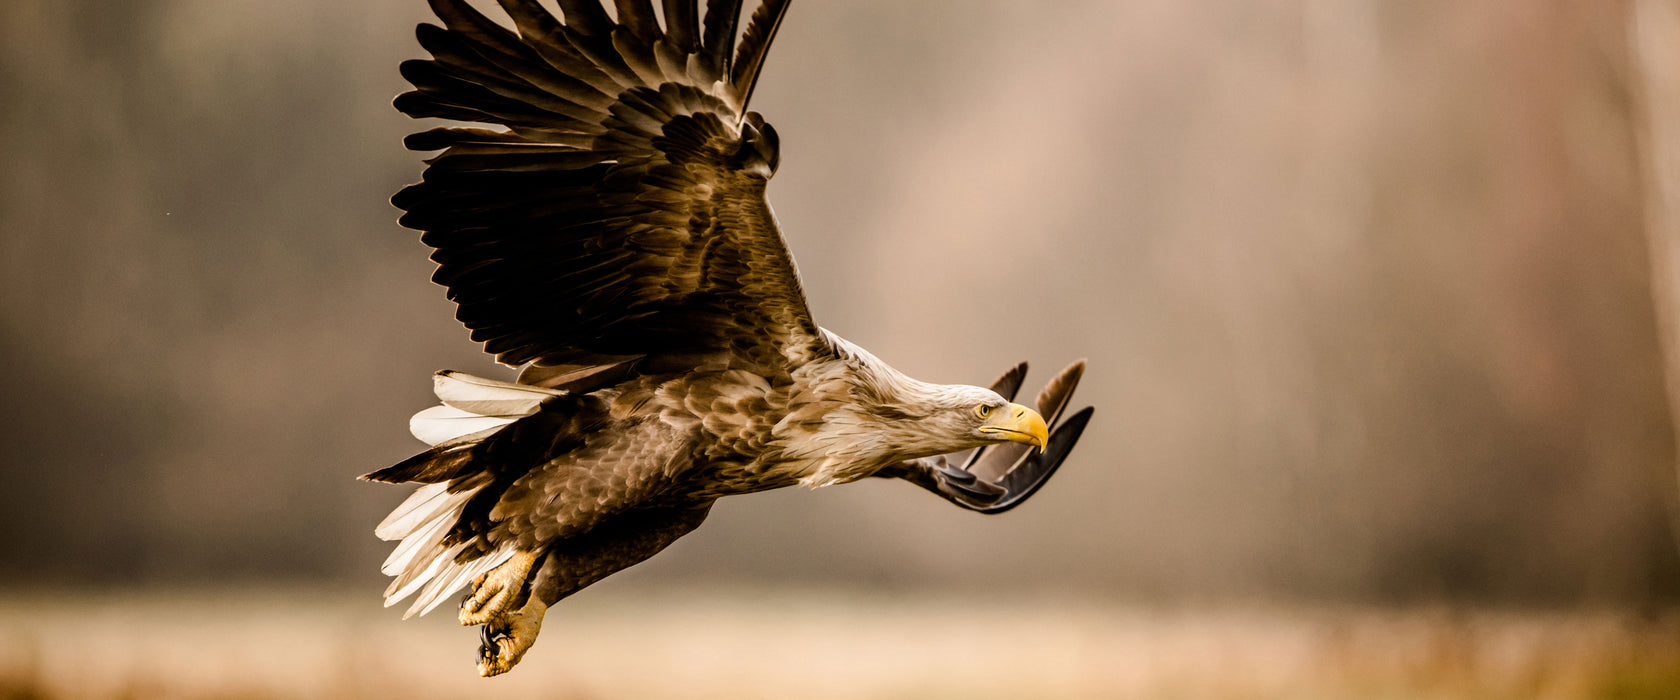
x=505 y=641
x=495 y=593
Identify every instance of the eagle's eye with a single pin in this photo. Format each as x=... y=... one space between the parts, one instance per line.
x=984 y=410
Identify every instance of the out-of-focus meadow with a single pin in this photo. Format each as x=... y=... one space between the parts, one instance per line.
x=1365 y=286
x=745 y=643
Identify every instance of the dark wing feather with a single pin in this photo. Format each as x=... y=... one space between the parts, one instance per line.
x=682 y=25
x=619 y=212
x=755 y=44
x=717 y=44
x=637 y=16
x=585 y=16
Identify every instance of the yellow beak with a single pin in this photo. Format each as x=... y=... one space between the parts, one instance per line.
x=1017 y=423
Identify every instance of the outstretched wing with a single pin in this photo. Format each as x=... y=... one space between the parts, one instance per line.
x=996 y=478
x=618 y=216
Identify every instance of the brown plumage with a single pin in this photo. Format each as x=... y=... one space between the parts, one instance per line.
x=613 y=238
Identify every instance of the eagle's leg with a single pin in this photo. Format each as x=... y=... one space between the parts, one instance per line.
x=570 y=565
x=494 y=593
x=506 y=639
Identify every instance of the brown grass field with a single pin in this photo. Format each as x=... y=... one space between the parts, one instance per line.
x=740 y=644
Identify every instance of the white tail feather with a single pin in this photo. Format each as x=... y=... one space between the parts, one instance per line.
x=418 y=575
x=425 y=540
x=440 y=424
x=420 y=507
x=474 y=405
x=421 y=562
x=488 y=397
x=453 y=576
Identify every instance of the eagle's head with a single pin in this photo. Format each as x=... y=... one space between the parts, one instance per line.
x=866 y=415
x=923 y=419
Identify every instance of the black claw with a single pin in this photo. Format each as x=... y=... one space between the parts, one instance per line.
x=955 y=475
x=983 y=494
x=487 y=638
x=967 y=486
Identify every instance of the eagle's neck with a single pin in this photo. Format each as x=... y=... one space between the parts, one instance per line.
x=857 y=415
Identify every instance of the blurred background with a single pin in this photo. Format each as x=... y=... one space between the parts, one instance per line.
x=1366 y=289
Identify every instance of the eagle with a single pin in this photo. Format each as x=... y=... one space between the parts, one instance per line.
x=604 y=229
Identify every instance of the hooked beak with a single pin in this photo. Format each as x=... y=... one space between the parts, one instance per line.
x=1017 y=423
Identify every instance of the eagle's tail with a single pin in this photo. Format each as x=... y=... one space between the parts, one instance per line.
x=425 y=562
x=427 y=559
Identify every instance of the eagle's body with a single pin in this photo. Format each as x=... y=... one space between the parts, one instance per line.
x=614 y=240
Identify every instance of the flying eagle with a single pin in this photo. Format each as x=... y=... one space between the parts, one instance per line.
x=612 y=239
